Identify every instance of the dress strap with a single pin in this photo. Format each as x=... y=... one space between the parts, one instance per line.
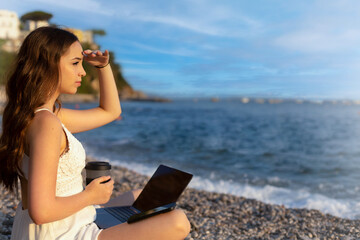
x=42 y=109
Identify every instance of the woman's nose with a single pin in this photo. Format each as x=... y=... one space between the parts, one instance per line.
x=82 y=72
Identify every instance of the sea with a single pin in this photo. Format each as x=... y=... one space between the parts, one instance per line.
x=296 y=154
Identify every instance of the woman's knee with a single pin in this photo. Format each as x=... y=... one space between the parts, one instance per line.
x=180 y=222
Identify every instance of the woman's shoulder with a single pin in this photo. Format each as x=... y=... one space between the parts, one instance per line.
x=46 y=117
x=45 y=121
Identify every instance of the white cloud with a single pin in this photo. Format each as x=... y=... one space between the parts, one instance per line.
x=178 y=51
x=285 y=40
x=201 y=17
x=179 y=22
x=136 y=62
x=326 y=27
x=320 y=40
x=148 y=72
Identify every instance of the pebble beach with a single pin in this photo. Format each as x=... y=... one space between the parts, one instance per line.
x=222 y=216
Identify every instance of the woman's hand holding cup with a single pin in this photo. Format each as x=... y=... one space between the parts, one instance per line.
x=100 y=192
x=99 y=183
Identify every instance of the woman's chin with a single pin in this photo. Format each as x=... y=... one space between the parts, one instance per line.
x=72 y=92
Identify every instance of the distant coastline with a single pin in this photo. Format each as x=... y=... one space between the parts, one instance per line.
x=87 y=97
x=138 y=96
x=79 y=98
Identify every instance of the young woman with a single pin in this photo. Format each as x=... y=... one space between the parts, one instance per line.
x=37 y=146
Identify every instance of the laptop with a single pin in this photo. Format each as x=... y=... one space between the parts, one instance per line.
x=158 y=196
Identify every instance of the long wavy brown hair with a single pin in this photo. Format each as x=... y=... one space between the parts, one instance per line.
x=33 y=79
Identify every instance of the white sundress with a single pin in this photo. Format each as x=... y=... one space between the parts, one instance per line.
x=79 y=226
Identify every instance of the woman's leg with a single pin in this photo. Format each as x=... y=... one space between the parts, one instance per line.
x=167 y=226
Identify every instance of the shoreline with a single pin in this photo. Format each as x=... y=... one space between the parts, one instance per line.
x=223 y=216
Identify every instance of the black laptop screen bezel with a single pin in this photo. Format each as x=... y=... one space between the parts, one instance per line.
x=164 y=187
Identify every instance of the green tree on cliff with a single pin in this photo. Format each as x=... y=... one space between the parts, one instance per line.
x=91 y=75
x=6 y=59
x=87 y=86
x=36 y=16
x=99 y=32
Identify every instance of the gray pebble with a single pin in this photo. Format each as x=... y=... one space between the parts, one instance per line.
x=221 y=216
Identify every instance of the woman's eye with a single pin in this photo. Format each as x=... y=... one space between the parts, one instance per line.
x=75 y=63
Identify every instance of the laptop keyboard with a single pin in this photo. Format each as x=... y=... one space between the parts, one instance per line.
x=121 y=213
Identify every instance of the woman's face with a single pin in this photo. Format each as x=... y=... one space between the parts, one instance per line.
x=71 y=69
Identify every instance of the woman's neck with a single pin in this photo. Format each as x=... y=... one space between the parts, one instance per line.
x=51 y=102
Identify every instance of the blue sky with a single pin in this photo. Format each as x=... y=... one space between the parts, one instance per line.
x=206 y=48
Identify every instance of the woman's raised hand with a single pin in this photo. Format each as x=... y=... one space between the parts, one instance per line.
x=98 y=192
x=96 y=58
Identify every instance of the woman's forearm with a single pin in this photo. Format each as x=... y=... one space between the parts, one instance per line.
x=54 y=208
x=58 y=208
x=109 y=96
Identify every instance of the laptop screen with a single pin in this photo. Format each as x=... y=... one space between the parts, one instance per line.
x=164 y=187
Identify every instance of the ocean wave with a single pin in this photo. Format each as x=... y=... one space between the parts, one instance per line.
x=281 y=196
x=269 y=194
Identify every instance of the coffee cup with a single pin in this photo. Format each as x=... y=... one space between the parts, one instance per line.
x=97 y=169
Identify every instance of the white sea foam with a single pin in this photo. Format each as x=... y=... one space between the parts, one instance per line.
x=281 y=196
x=137 y=167
x=120 y=142
x=268 y=194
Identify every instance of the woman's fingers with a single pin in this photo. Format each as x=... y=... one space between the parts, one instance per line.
x=102 y=179
x=87 y=52
x=96 y=53
x=96 y=57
